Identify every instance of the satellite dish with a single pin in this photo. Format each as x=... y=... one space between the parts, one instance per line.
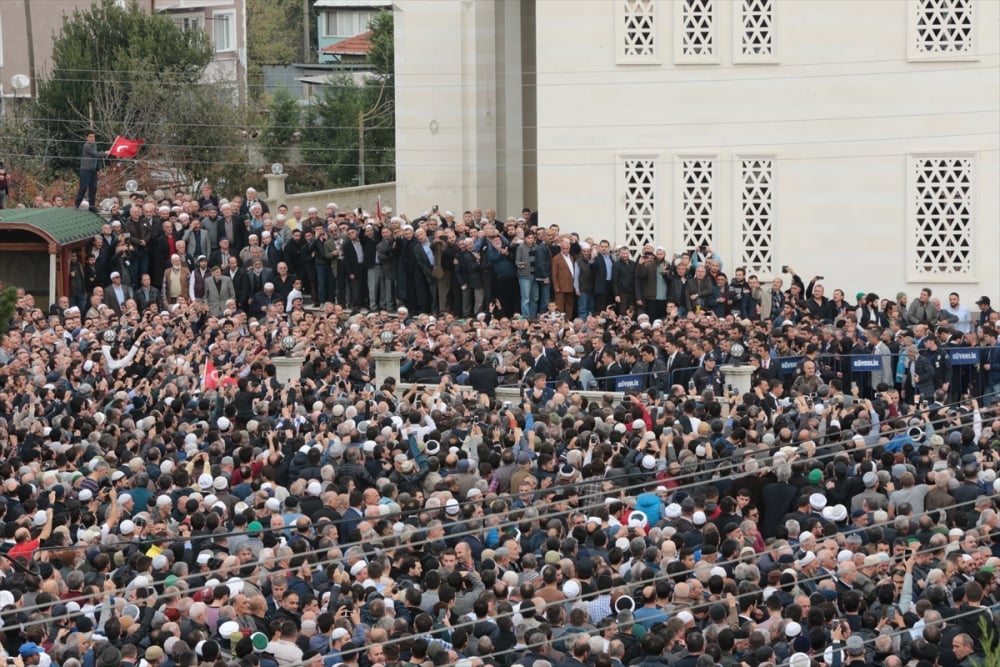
x=277 y=168
x=132 y=185
x=19 y=81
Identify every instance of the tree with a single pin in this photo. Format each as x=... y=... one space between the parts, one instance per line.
x=274 y=37
x=282 y=124
x=123 y=67
x=124 y=71
x=346 y=110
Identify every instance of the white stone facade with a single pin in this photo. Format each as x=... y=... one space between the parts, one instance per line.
x=857 y=140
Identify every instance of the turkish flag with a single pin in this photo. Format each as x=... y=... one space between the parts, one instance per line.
x=125 y=148
x=213 y=378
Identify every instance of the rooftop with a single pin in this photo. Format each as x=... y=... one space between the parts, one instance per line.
x=61 y=226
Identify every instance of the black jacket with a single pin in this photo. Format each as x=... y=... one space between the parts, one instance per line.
x=623 y=279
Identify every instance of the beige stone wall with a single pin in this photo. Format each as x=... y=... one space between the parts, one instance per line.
x=346 y=198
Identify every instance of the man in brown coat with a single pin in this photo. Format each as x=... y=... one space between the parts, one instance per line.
x=563 y=278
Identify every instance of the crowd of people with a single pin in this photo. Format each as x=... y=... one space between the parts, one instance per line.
x=167 y=502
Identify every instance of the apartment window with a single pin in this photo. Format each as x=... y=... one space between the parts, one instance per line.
x=696 y=21
x=638 y=40
x=942 y=29
x=755 y=214
x=190 y=21
x=697 y=190
x=639 y=188
x=348 y=23
x=224 y=30
x=942 y=234
x=755 y=32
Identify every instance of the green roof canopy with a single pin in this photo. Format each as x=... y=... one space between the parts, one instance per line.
x=61 y=226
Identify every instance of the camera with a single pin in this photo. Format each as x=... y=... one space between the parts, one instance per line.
x=784 y=268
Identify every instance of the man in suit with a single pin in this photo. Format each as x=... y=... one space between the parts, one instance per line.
x=609 y=368
x=283 y=281
x=241 y=283
x=257 y=276
x=270 y=251
x=262 y=301
x=770 y=401
x=423 y=280
x=220 y=256
x=218 y=290
x=623 y=281
x=117 y=293
x=147 y=295
x=921 y=373
x=764 y=370
x=603 y=270
x=564 y=279
x=163 y=245
x=354 y=260
x=540 y=362
x=251 y=201
x=232 y=228
x=776 y=500
x=678 y=362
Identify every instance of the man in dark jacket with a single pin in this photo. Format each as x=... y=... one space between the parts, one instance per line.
x=603 y=270
x=90 y=164
x=776 y=499
x=623 y=281
x=586 y=278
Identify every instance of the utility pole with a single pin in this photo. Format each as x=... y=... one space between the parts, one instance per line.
x=31 y=47
x=361 y=148
x=306 y=48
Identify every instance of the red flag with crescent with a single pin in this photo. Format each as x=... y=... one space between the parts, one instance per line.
x=125 y=148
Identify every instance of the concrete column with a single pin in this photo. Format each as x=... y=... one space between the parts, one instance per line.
x=287 y=369
x=275 y=188
x=387 y=364
x=738 y=376
x=510 y=139
x=53 y=261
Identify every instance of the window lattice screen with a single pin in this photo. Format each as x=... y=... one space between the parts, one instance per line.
x=943 y=225
x=757 y=37
x=698 y=28
x=640 y=202
x=639 y=34
x=944 y=27
x=697 y=202
x=756 y=214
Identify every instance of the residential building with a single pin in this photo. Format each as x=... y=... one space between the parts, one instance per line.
x=15 y=39
x=856 y=140
x=224 y=20
x=339 y=20
x=225 y=23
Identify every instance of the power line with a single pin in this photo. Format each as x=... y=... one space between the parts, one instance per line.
x=624 y=73
x=668 y=161
x=303 y=126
